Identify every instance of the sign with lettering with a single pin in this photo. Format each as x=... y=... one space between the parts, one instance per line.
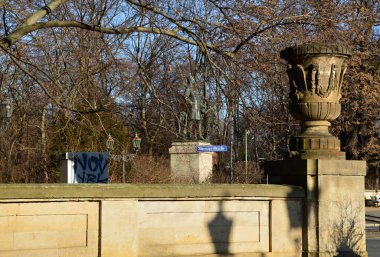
x=85 y=167
x=211 y=148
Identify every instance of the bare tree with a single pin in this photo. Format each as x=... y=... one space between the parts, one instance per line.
x=77 y=71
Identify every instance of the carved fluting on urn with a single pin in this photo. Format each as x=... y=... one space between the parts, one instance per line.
x=316 y=82
x=315 y=111
x=316 y=75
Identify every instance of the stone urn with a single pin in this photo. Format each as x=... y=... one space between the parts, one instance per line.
x=315 y=74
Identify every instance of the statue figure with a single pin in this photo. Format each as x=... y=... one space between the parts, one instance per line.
x=182 y=125
x=210 y=117
x=197 y=122
x=195 y=109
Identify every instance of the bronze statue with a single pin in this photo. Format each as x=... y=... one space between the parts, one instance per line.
x=193 y=124
x=195 y=109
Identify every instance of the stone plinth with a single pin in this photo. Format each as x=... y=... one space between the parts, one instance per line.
x=334 y=213
x=189 y=166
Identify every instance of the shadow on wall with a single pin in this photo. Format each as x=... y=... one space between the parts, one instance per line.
x=294 y=223
x=339 y=230
x=220 y=227
x=220 y=231
x=346 y=251
x=346 y=235
x=305 y=217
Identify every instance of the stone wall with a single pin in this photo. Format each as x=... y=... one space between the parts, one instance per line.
x=334 y=213
x=150 y=220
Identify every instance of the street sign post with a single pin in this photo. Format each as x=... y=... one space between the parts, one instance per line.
x=211 y=148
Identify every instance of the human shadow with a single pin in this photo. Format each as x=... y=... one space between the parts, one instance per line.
x=299 y=202
x=220 y=230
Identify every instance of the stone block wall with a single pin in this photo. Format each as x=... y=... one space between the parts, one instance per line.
x=150 y=220
x=334 y=211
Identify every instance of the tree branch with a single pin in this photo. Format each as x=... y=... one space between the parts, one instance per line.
x=20 y=32
x=260 y=30
x=13 y=37
x=38 y=15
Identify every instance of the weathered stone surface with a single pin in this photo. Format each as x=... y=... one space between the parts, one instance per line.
x=49 y=229
x=334 y=215
x=153 y=220
x=118 y=191
x=240 y=227
x=189 y=166
x=201 y=227
x=286 y=233
x=119 y=228
x=310 y=49
x=301 y=168
x=315 y=78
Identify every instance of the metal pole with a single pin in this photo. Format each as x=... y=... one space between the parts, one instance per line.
x=231 y=156
x=123 y=158
x=377 y=175
x=257 y=159
x=246 y=155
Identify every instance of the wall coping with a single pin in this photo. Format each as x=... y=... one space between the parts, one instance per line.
x=96 y=191
x=316 y=167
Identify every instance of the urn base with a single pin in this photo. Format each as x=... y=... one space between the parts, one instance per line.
x=316 y=142
x=327 y=147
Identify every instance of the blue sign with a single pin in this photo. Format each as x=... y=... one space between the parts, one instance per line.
x=211 y=148
x=87 y=167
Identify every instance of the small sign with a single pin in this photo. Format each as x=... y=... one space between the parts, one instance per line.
x=211 y=148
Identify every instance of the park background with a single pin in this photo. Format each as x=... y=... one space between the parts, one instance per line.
x=76 y=72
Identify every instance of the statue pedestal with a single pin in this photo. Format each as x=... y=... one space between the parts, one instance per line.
x=334 y=211
x=189 y=166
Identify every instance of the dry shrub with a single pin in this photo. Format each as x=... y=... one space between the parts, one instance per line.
x=220 y=176
x=156 y=170
x=254 y=174
x=149 y=170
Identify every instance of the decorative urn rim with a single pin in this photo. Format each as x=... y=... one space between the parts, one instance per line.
x=314 y=49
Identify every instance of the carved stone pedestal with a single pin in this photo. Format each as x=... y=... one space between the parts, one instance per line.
x=189 y=166
x=334 y=211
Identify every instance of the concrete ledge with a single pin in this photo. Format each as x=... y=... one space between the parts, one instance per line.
x=187 y=147
x=96 y=191
x=316 y=167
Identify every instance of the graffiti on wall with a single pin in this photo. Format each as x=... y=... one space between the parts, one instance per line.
x=91 y=167
x=85 y=167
